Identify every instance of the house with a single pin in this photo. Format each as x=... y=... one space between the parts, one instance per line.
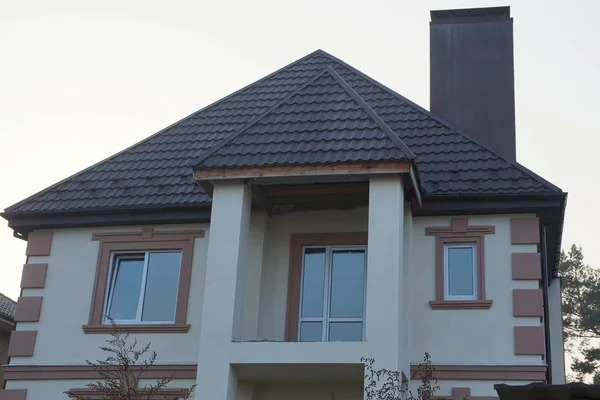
x=7 y=324
x=267 y=242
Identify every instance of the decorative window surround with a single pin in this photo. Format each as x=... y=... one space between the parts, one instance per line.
x=297 y=243
x=459 y=232
x=144 y=240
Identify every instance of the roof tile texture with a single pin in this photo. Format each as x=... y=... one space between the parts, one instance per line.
x=318 y=123
x=7 y=307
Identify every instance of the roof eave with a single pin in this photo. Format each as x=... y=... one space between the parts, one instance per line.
x=23 y=223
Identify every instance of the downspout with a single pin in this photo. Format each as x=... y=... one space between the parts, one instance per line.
x=545 y=283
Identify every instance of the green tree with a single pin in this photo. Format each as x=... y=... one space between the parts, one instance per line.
x=581 y=314
x=121 y=371
x=386 y=384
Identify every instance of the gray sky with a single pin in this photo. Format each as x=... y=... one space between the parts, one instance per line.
x=80 y=81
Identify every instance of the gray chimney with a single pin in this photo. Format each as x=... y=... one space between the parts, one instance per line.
x=472 y=83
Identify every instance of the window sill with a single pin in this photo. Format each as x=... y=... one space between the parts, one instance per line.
x=460 y=304
x=139 y=328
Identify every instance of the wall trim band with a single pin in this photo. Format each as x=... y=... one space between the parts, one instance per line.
x=530 y=373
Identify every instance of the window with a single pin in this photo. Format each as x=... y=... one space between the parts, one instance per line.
x=142 y=281
x=332 y=293
x=460 y=272
x=459 y=265
x=143 y=287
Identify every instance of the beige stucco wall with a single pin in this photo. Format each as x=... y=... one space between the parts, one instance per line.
x=67 y=300
x=468 y=336
x=450 y=336
x=276 y=261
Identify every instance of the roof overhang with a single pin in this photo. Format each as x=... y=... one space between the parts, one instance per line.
x=6 y=324
x=24 y=223
x=311 y=174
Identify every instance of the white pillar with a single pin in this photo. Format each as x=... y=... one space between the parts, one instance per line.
x=384 y=270
x=223 y=289
x=258 y=226
x=556 y=332
x=406 y=296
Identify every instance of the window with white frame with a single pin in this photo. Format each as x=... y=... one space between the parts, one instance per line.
x=332 y=296
x=460 y=271
x=143 y=287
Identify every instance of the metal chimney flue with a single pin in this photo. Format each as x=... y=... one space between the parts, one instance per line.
x=472 y=74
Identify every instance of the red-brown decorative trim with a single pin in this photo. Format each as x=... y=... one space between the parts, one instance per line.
x=465 y=394
x=167 y=393
x=532 y=373
x=39 y=243
x=147 y=239
x=526 y=266
x=297 y=243
x=525 y=230
x=68 y=372
x=460 y=226
x=28 y=309
x=528 y=303
x=145 y=328
x=34 y=276
x=13 y=394
x=22 y=344
x=442 y=372
x=146 y=235
x=461 y=305
x=459 y=232
x=529 y=340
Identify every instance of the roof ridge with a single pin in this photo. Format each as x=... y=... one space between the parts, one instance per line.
x=371 y=113
x=264 y=78
x=440 y=120
x=210 y=151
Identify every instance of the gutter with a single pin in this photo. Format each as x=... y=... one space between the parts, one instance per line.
x=545 y=283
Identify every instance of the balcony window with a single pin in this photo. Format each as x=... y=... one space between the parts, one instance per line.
x=332 y=295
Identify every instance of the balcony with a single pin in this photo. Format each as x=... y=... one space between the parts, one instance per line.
x=254 y=310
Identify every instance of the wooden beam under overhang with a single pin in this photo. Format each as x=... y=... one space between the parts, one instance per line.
x=391 y=167
x=316 y=189
x=304 y=180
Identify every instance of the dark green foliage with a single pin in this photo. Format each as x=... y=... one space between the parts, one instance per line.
x=581 y=314
x=385 y=384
